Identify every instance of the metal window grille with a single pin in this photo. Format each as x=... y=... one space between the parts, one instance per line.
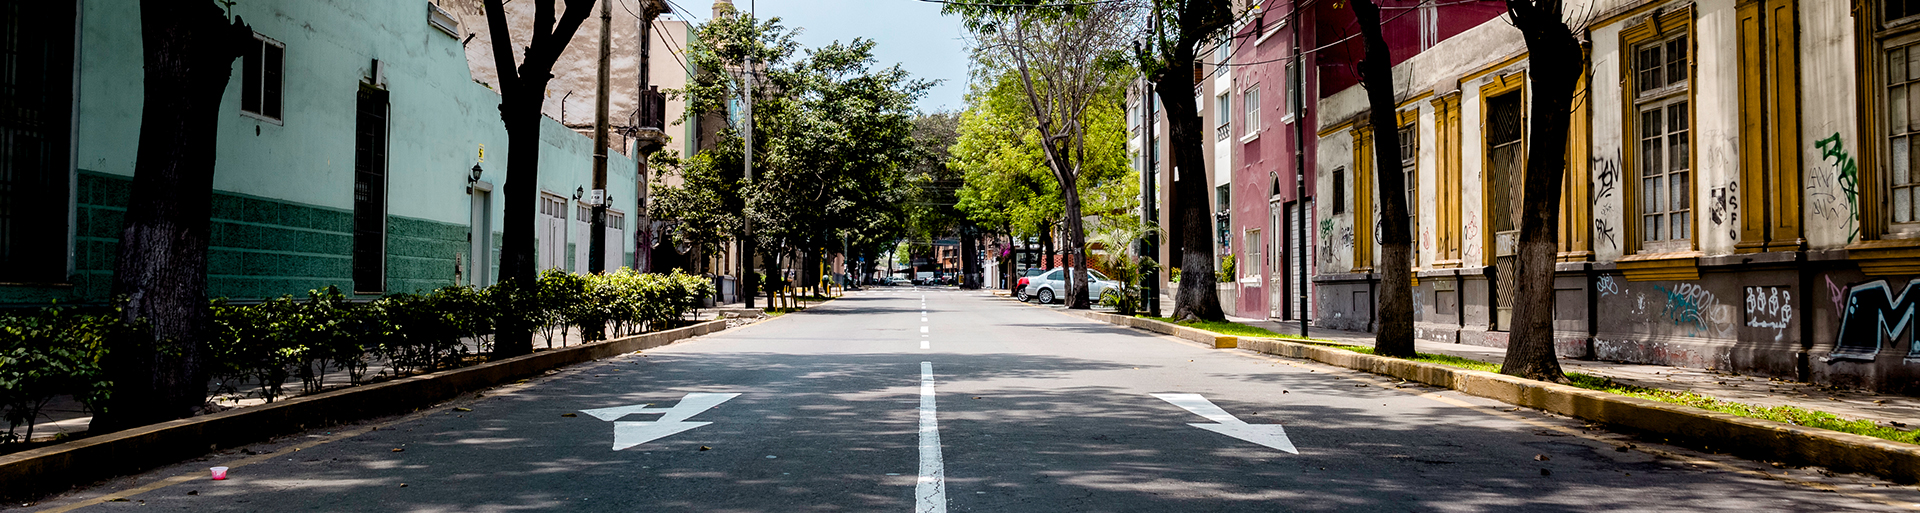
x=35 y=109
x=370 y=191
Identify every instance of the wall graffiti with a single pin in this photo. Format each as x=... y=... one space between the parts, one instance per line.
x=1471 y=249
x=1606 y=173
x=1332 y=241
x=1695 y=308
x=1837 y=187
x=1607 y=286
x=1725 y=208
x=1770 y=307
x=1874 y=317
x=1836 y=294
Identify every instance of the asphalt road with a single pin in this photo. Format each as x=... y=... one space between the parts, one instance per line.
x=918 y=400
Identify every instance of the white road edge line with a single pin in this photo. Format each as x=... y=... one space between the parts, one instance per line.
x=930 y=494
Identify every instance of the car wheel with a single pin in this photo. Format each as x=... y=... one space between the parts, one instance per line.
x=1046 y=296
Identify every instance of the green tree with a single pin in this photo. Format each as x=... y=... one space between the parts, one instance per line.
x=161 y=373
x=523 y=89
x=1555 y=60
x=1178 y=29
x=1065 y=59
x=833 y=140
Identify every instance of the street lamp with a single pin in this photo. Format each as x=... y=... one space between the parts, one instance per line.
x=475 y=176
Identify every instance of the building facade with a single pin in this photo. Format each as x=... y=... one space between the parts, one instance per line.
x=1739 y=193
x=356 y=148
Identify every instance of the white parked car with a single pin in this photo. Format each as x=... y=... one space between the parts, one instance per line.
x=1051 y=286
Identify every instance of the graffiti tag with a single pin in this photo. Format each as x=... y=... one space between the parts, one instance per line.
x=1607 y=286
x=1694 y=307
x=1874 y=317
x=1846 y=176
x=1606 y=177
x=1726 y=204
x=1770 y=307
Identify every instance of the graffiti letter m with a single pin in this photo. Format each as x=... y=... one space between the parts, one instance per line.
x=1875 y=316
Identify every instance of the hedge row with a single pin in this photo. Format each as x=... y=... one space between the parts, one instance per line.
x=257 y=348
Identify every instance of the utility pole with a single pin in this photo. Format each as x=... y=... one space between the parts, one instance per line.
x=1150 y=195
x=597 y=245
x=746 y=242
x=642 y=223
x=1300 y=158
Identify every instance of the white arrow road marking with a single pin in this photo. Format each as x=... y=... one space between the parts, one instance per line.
x=930 y=493
x=672 y=420
x=1270 y=435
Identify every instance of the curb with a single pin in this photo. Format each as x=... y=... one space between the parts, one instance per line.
x=1754 y=438
x=49 y=470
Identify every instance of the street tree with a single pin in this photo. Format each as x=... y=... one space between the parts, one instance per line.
x=1006 y=182
x=1178 y=29
x=160 y=372
x=1066 y=56
x=523 y=89
x=833 y=141
x=1395 y=333
x=1554 y=62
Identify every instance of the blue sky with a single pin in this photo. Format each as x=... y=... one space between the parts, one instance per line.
x=909 y=32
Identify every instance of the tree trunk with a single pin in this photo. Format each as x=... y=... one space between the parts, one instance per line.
x=969 y=259
x=1075 y=252
x=520 y=111
x=522 y=90
x=774 y=278
x=1395 y=336
x=1198 y=297
x=1556 y=60
x=160 y=373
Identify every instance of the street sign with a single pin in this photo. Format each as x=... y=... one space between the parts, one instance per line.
x=672 y=420
x=1270 y=435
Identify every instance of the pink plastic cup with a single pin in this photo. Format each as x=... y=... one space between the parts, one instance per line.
x=219 y=473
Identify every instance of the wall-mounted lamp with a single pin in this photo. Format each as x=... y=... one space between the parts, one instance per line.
x=475 y=175
x=579 y=192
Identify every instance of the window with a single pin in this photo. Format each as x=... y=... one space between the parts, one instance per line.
x=1505 y=133
x=1252 y=100
x=36 y=91
x=1251 y=267
x=1223 y=101
x=1290 y=95
x=1410 y=169
x=260 y=77
x=583 y=213
x=370 y=191
x=1661 y=123
x=1223 y=197
x=616 y=221
x=1340 y=190
x=1903 y=129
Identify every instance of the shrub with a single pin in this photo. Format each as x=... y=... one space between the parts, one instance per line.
x=49 y=353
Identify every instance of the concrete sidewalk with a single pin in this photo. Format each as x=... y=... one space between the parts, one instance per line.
x=1896 y=411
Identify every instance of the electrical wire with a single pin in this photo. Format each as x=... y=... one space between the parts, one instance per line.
x=1067 y=4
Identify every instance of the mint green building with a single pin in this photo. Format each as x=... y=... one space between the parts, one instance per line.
x=347 y=146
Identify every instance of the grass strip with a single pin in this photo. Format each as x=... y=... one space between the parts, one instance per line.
x=1787 y=414
x=1226 y=328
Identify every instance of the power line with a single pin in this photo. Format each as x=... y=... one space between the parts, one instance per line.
x=1067 y=4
